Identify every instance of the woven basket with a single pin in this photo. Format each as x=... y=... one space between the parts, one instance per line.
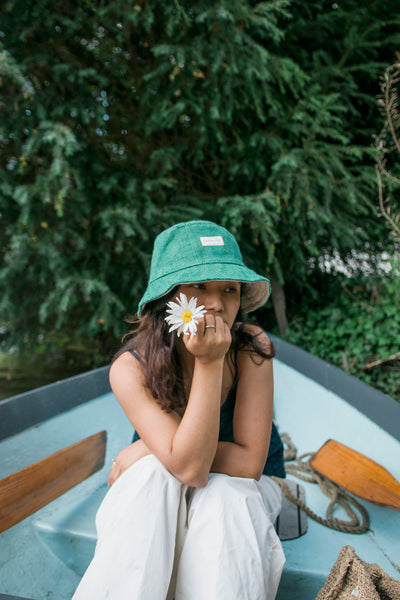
x=353 y=579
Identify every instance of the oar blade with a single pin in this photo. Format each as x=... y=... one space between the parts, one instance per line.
x=357 y=473
x=31 y=488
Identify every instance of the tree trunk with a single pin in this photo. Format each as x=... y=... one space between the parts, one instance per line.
x=279 y=302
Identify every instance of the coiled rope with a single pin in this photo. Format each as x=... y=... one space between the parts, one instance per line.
x=302 y=469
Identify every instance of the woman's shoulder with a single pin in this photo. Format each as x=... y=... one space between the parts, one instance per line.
x=126 y=364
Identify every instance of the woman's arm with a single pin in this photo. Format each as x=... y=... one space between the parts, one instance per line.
x=185 y=446
x=252 y=420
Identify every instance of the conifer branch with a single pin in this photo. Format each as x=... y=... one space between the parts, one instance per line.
x=390 y=103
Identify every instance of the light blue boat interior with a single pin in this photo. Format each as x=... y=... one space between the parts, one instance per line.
x=45 y=555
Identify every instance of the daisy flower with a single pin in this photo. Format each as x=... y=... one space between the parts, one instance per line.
x=183 y=315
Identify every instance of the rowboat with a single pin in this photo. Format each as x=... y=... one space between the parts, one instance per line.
x=45 y=554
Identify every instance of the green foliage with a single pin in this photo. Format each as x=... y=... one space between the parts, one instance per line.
x=360 y=327
x=323 y=176
x=119 y=119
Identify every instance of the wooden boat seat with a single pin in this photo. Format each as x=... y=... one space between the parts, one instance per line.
x=70 y=532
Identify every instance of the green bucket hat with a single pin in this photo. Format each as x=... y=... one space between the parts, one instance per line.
x=197 y=251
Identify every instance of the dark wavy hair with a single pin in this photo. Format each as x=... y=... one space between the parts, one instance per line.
x=159 y=357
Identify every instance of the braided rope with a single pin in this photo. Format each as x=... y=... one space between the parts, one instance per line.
x=337 y=495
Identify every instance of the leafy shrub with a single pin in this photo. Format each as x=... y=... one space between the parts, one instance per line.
x=359 y=331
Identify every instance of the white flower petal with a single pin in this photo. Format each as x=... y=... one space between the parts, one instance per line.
x=192 y=303
x=173 y=319
x=182 y=329
x=173 y=305
x=183 y=301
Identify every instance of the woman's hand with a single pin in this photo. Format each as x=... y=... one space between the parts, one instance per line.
x=212 y=340
x=126 y=458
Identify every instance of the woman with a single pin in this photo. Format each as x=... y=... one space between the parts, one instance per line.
x=191 y=509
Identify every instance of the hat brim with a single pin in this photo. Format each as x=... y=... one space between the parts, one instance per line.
x=257 y=292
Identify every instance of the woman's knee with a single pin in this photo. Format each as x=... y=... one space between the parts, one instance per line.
x=224 y=493
x=225 y=485
x=234 y=490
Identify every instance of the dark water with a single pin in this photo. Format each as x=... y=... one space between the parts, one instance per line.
x=21 y=374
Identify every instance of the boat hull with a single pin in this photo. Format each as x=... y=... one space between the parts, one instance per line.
x=45 y=555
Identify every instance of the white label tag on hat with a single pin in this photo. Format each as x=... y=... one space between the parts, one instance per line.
x=215 y=240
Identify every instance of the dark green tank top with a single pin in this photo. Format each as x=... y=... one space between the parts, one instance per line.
x=274 y=465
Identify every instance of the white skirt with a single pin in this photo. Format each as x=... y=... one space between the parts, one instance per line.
x=158 y=539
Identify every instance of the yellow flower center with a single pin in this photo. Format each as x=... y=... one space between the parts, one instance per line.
x=186 y=316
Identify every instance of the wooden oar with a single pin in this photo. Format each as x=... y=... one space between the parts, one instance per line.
x=25 y=491
x=358 y=474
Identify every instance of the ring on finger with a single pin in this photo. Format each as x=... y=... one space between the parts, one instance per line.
x=210 y=327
